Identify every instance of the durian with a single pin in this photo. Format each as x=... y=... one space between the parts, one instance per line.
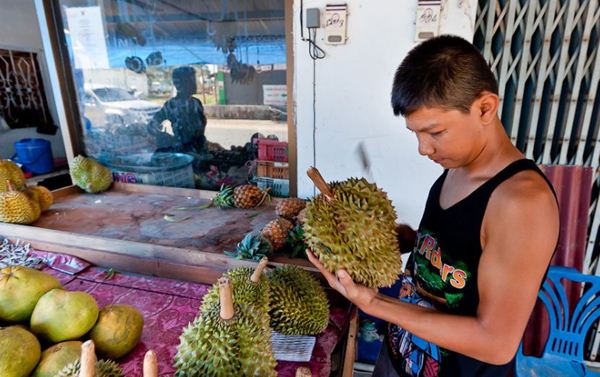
x=85 y=366
x=90 y=175
x=9 y=171
x=250 y=287
x=104 y=368
x=352 y=225
x=17 y=208
x=301 y=306
x=226 y=340
x=40 y=195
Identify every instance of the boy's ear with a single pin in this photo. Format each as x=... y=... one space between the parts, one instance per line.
x=488 y=104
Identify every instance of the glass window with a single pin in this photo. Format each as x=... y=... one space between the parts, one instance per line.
x=182 y=93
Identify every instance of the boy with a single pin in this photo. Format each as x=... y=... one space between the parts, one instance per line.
x=487 y=235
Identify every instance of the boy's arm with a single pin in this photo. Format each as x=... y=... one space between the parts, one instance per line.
x=519 y=235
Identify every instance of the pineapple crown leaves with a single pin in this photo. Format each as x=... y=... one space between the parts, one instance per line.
x=225 y=198
x=253 y=246
x=295 y=240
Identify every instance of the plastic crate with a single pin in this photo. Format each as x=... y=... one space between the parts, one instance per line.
x=272 y=169
x=279 y=187
x=272 y=150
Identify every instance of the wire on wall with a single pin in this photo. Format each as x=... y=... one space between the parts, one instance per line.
x=316 y=53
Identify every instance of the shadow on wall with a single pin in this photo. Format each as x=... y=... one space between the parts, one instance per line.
x=8 y=139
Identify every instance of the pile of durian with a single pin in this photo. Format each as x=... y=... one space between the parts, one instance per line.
x=20 y=204
x=232 y=334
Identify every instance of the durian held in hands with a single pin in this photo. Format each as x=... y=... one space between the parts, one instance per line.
x=89 y=175
x=352 y=225
x=226 y=339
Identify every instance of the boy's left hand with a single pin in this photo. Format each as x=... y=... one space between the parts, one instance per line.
x=360 y=295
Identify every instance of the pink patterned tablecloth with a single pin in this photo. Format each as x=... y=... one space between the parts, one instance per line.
x=168 y=306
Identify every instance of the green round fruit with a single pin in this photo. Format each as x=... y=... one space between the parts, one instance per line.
x=19 y=352
x=118 y=330
x=55 y=358
x=63 y=315
x=20 y=290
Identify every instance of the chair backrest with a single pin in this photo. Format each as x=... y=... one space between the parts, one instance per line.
x=568 y=328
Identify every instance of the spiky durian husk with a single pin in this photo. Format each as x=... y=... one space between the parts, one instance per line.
x=245 y=291
x=41 y=195
x=104 y=368
x=355 y=231
x=9 y=171
x=17 y=208
x=90 y=175
x=289 y=207
x=301 y=307
x=211 y=346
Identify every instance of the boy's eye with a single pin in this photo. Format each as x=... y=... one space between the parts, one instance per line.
x=437 y=133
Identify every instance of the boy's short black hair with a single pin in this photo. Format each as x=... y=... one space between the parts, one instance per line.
x=444 y=71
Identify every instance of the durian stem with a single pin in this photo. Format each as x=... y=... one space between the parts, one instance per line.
x=303 y=372
x=318 y=180
x=10 y=186
x=88 y=360
x=255 y=278
x=226 y=299
x=150 y=366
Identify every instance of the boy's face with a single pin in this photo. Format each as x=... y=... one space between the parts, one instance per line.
x=450 y=138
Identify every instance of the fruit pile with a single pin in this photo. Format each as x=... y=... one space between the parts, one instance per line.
x=39 y=311
x=283 y=234
x=232 y=334
x=20 y=204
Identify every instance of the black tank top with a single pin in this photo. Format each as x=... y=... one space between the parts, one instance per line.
x=445 y=261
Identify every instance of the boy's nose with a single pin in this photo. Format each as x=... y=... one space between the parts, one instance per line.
x=425 y=148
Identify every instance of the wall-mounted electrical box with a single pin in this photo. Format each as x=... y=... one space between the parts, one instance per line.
x=428 y=19
x=336 y=17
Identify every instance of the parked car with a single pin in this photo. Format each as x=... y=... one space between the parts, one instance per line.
x=107 y=106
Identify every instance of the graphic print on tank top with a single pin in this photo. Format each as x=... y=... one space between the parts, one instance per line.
x=438 y=277
x=411 y=355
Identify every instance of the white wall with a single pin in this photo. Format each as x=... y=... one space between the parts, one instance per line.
x=19 y=30
x=353 y=85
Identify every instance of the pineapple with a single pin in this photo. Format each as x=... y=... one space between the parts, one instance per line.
x=224 y=199
x=253 y=246
x=290 y=207
x=249 y=196
x=276 y=231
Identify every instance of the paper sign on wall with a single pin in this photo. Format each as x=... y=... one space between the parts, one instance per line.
x=336 y=17
x=428 y=19
x=86 y=32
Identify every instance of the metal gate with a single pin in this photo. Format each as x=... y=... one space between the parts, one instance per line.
x=546 y=57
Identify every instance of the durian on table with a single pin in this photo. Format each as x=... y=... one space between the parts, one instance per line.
x=90 y=175
x=250 y=287
x=352 y=225
x=11 y=172
x=18 y=208
x=299 y=305
x=226 y=339
x=89 y=366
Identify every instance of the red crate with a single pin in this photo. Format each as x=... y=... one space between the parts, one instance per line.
x=272 y=150
x=272 y=169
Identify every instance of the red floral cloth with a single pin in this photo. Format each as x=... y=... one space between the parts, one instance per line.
x=168 y=306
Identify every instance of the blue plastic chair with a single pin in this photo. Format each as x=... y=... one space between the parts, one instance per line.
x=564 y=350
